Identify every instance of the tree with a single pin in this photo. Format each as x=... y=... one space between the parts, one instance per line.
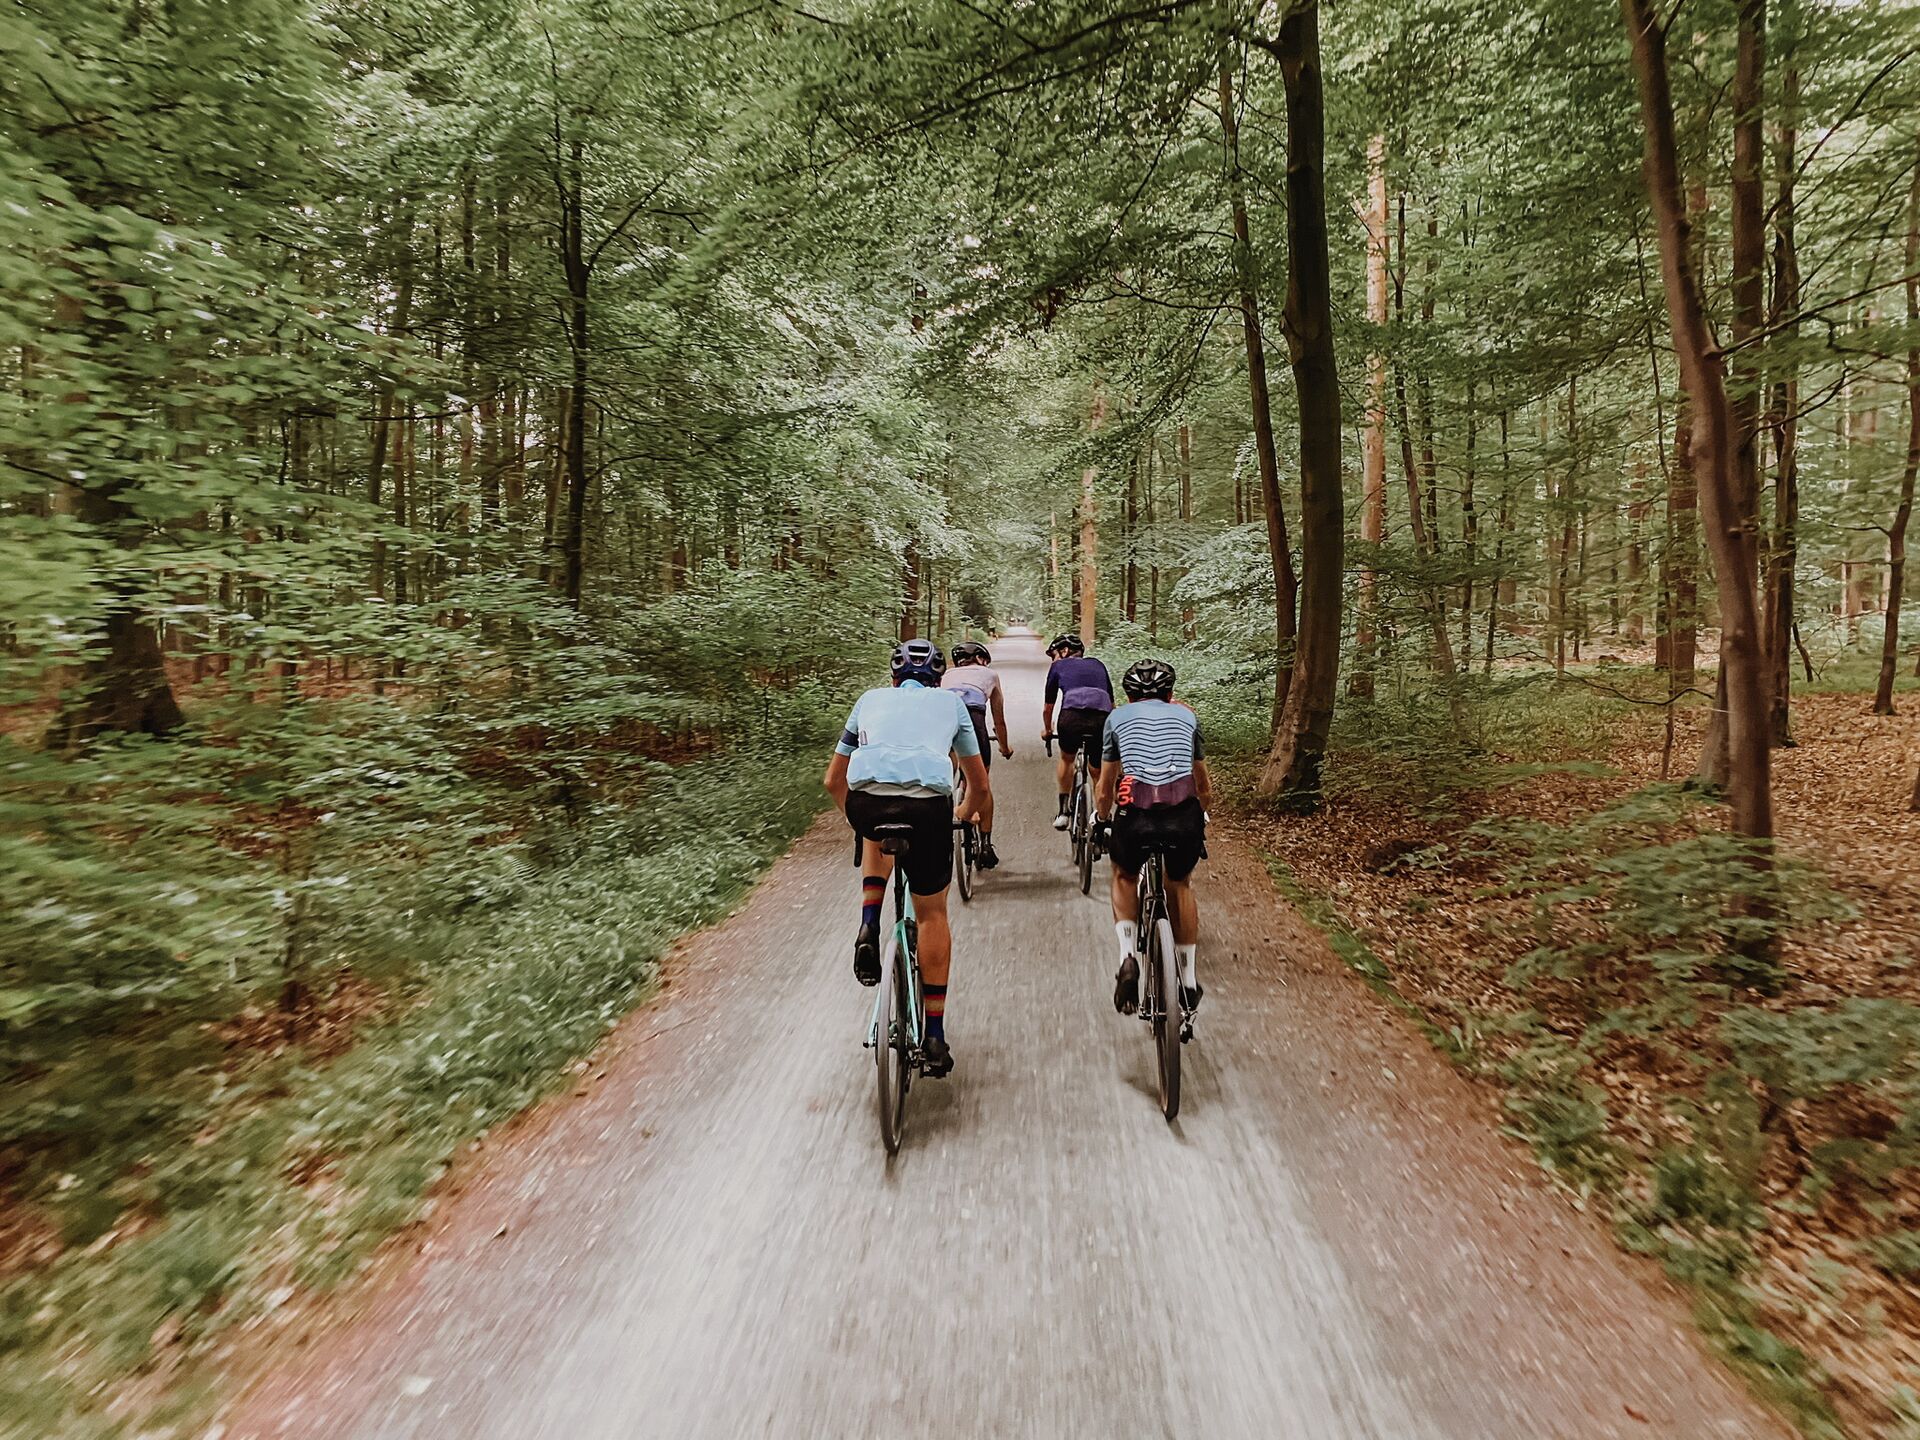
x=1293 y=768
x=1897 y=532
x=1716 y=442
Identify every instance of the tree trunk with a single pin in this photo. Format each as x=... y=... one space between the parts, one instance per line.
x=1293 y=768
x=1749 y=238
x=1497 y=587
x=1090 y=529
x=1373 y=454
x=1637 y=508
x=1469 y=531
x=123 y=684
x=1436 y=605
x=383 y=416
x=1153 y=539
x=1246 y=266
x=1730 y=537
x=1897 y=534
x=1130 y=572
x=1186 y=520
x=910 y=592
x=573 y=259
x=1783 y=553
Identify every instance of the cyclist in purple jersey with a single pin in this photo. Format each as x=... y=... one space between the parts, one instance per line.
x=1084 y=691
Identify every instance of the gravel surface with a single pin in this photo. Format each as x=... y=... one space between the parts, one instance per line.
x=705 y=1238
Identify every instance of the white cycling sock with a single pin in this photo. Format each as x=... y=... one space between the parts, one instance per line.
x=1183 y=957
x=1129 y=934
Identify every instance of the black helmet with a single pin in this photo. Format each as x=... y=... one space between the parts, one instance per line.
x=971 y=652
x=1068 y=642
x=918 y=660
x=1148 y=678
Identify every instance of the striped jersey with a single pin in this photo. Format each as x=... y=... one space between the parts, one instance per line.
x=1155 y=742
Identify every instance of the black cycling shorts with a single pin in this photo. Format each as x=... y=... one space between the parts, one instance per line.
x=1077 y=728
x=1176 y=831
x=929 y=858
x=979 y=718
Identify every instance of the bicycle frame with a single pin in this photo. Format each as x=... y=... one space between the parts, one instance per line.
x=1152 y=891
x=1082 y=786
x=903 y=947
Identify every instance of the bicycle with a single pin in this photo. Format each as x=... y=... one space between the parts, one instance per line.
x=966 y=839
x=897 y=1031
x=1086 y=849
x=1161 y=1005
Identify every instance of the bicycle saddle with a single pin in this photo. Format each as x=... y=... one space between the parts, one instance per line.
x=893 y=838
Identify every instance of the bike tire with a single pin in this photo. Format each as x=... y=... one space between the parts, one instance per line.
x=1084 y=853
x=963 y=860
x=890 y=1053
x=1166 y=1016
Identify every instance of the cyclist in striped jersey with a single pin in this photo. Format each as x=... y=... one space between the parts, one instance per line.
x=1153 y=792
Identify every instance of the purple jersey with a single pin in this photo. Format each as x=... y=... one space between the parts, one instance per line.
x=1079 y=682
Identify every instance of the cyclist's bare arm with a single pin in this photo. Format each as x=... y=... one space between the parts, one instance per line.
x=1046 y=719
x=1203 y=784
x=1000 y=725
x=836 y=780
x=1104 y=791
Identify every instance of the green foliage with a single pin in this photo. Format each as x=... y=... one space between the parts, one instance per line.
x=506 y=968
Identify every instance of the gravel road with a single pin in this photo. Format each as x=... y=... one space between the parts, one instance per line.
x=706 y=1239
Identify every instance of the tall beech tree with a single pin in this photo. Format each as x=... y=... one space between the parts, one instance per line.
x=1717 y=454
x=1293 y=768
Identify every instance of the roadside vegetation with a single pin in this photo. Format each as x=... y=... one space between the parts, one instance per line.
x=1576 y=932
x=453 y=455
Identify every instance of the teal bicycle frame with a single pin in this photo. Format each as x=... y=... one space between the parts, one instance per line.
x=907 y=958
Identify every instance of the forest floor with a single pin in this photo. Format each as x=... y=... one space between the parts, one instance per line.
x=1812 y=1253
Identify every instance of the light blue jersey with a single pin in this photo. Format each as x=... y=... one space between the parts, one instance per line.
x=900 y=737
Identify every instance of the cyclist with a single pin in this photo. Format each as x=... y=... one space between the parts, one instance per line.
x=978 y=684
x=1153 y=794
x=1085 y=692
x=893 y=766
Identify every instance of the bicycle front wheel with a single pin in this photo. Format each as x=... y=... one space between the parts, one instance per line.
x=890 y=1054
x=1164 y=972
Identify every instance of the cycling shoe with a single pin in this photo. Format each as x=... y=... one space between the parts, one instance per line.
x=1126 y=987
x=936 y=1059
x=988 y=857
x=866 y=955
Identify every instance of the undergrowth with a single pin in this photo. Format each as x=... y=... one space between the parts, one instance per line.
x=1630 y=985
x=301 y=1168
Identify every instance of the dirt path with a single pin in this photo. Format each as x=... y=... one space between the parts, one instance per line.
x=1332 y=1243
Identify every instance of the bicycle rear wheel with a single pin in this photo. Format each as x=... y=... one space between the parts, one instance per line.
x=890 y=1053
x=1163 y=978
x=1084 y=852
x=963 y=853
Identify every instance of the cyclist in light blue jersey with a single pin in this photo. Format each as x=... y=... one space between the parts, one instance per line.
x=894 y=766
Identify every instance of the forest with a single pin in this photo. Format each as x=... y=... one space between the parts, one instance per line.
x=457 y=461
